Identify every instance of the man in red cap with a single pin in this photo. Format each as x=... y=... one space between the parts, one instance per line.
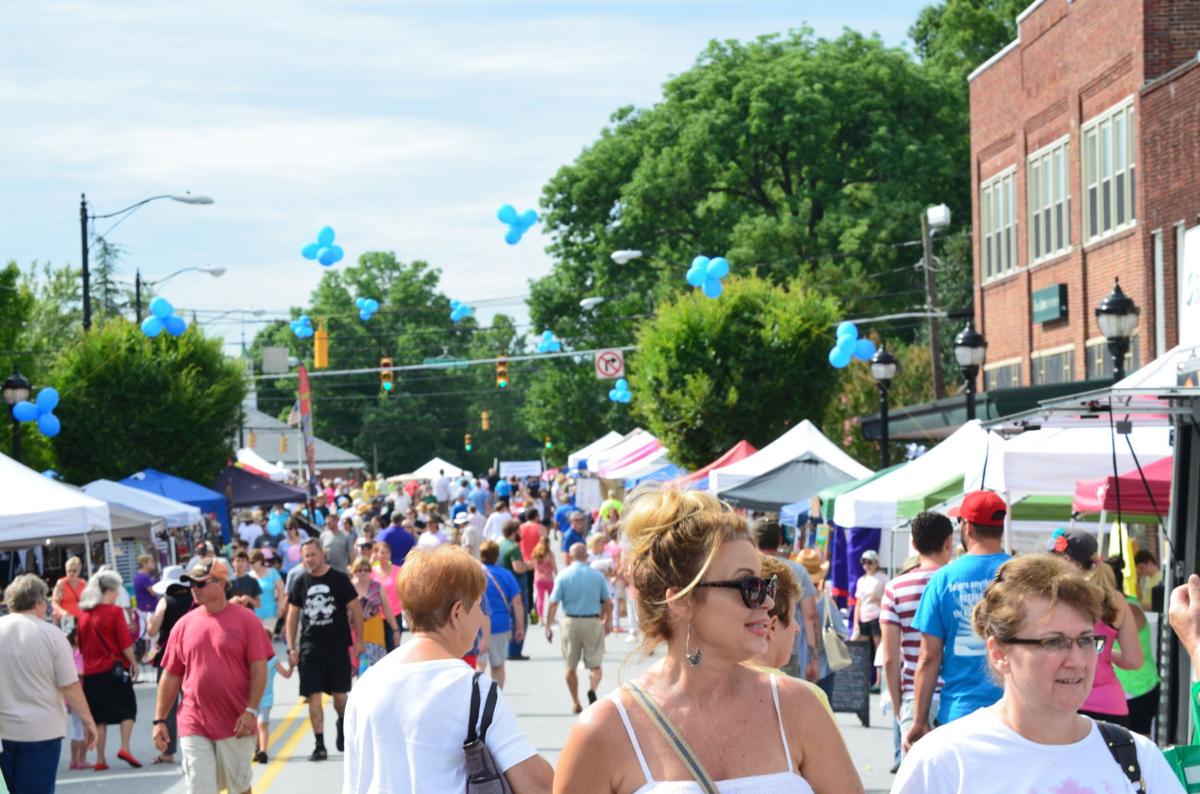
x=949 y=645
x=218 y=654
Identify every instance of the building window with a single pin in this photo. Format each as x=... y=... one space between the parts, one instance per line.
x=1002 y=376
x=1108 y=172
x=1049 y=202
x=1053 y=367
x=1099 y=360
x=998 y=239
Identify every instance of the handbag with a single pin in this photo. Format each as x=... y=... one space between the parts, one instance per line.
x=674 y=738
x=483 y=776
x=1184 y=759
x=837 y=654
x=118 y=670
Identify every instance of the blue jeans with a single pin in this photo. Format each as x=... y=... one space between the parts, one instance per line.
x=30 y=767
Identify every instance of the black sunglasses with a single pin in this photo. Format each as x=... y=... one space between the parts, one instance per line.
x=199 y=584
x=755 y=589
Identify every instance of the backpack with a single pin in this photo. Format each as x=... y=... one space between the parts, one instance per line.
x=483 y=777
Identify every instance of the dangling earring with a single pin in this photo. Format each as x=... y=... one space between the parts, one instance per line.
x=693 y=658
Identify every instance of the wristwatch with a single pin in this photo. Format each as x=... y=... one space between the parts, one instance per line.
x=252 y=712
x=158 y=722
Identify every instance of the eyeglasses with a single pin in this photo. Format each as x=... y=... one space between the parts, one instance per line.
x=198 y=585
x=755 y=589
x=1060 y=645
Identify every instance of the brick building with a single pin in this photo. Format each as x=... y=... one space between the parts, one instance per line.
x=1085 y=167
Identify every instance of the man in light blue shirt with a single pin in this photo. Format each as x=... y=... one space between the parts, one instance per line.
x=949 y=644
x=587 y=612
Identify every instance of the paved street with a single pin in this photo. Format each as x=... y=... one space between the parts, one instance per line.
x=534 y=689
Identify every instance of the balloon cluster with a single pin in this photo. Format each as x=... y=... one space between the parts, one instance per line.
x=850 y=347
x=620 y=393
x=323 y=250
x=41 y=411
x=548 y=343
x=302 y=327
x=517 y=224
x=707 y=273
x=460 y=311
x=162 y=317
x=366 y=308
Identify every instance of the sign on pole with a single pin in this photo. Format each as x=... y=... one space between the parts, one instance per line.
x=610 y=364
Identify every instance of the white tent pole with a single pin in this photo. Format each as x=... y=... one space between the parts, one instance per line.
x=1100 y=531
x=87 y=552
x=1008 y=530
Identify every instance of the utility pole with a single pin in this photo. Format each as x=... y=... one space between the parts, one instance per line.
x=87 y=282
x=935 y=348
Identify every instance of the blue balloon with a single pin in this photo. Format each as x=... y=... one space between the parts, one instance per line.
x=152 y=326
x=846 y=343
x=864 y=349
x=839 y=358
x=325 y=237
x=713 y=288
x=276 y=526
x=364 y=315
x=513 y=235
x=175 y=325
x=47 y=400
x=847 y=329
x=372 y=305
x=718 y=268
x=622 y=384
x=507 y=214
x=336 y=252
x=49 y=425
x=25 y=411
x=304 y=320
x=326 y=257
x=528 y=218
x=161 y=308
x=310 y=251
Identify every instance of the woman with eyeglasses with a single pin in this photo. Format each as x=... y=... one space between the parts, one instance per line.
x=700 y=720
x=1038 y=620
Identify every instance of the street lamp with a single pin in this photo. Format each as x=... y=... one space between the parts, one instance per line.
x=590 y=303
x=625 y=256
x=215 y=272
x=883 y=369
x=970 y=349
x=16 y=389
x=84 y=217
x=1117 y=316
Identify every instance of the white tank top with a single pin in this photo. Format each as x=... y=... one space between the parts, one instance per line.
x=788 y=782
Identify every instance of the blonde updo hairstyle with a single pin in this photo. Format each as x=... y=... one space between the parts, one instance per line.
x=1002 y=610
x=672 y=538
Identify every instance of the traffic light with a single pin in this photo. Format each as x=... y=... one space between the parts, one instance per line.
x=387 y=378
x=485 y=420
x=549 y=442
x=321 y=346
x=502 y=373
x=468 y=443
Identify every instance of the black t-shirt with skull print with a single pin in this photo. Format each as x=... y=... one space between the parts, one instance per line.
x=324 y=624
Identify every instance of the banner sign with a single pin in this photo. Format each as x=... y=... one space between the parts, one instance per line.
x=520 y=468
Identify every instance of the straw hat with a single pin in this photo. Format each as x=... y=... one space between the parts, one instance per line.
x=811 y=560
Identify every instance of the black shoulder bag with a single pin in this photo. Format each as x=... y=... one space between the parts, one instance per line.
x=1120 y=743
x=483 y=776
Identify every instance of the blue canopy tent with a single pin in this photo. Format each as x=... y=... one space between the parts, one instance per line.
x=181 y=490
x=664 y=474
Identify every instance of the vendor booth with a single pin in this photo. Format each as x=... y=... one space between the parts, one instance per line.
x=243 y=489
x=802 y=442
x=181 y=490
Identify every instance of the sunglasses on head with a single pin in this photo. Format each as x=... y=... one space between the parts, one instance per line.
x=754 y=589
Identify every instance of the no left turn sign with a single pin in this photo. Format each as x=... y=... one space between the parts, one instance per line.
x=610 y=364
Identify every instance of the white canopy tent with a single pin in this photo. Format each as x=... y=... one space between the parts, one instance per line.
x=875 y=504
x=432 y=469
x=792 y=445
x=252 y=460
x=36 y=509
x=173 y=513
x=605 y=441
x=638 y=468
x=635 y=440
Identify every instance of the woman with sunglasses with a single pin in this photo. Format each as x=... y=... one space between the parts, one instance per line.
x=682 y=725
x=1038 y=620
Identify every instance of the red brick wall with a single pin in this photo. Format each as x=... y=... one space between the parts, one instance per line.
x=1170 y=149
x=1172 y=34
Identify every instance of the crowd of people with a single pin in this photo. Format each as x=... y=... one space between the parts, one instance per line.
x=1034 y=669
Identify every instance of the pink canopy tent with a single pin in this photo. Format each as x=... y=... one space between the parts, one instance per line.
x=1097 y=494
x=640 y=453
x=740 y=450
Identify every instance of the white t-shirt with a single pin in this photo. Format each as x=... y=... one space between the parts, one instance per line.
x=441 y=489
x=979 y=754
x=493 y=529
x=35 y=662
x=869 y=595
x=249 y=532
x=406 y=723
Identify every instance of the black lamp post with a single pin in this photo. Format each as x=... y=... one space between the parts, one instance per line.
x=883 y=368
x=16 y=389
x=970 y=349
x=1117 y=316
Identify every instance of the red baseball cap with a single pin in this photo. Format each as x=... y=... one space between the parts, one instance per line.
x=981 y=507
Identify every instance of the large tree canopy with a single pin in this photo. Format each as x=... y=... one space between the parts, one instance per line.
x=956 y=36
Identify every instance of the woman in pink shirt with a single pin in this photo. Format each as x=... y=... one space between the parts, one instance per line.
x=544 y=571
x=385 y=573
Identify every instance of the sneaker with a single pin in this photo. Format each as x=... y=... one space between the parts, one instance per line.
x=341 y=738
x=591 y=696
x=260 y=757
x=318 y=754
x=518 y=658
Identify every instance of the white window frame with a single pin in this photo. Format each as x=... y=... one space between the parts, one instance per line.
x=1132 y=359
x=1037 y=355
x=1109 y=168
x=1018 y=361
x=998 y=226
x=1048 y=202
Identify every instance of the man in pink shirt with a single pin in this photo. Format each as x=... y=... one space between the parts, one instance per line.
x=218 y=654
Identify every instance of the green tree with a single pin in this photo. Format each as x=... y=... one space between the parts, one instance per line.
x=108 y=296
x=956 y=36
x=129 y=402
x=708 y=373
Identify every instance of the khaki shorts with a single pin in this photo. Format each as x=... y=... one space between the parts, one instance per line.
x=210 y=766
x=583 y=637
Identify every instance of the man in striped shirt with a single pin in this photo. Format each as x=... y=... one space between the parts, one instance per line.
x=933 y=538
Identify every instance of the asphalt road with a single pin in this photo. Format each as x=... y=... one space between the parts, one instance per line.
x=534 y=689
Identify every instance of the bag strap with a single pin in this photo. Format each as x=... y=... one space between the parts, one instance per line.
x=828 y=622
x=674 y=738
x=489 y=709
x=471 y=735
x=1120 y=743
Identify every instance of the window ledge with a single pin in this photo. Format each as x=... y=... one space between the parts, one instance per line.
x=1052 y=260
x=995 y=280
x=1115 y=235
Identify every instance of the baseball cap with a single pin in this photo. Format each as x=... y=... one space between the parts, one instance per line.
x=214 y=568
x=981 y=507
x=870 y=555
x=170 y=576
x=1080 y=546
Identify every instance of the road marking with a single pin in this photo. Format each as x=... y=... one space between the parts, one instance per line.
x=285 y=752
x=286 y=725
x=176 y=772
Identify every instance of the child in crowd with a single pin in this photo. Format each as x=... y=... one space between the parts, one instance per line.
x=268 y=700
x=75 y=724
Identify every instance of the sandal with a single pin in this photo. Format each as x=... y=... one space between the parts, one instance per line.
x=163 y=759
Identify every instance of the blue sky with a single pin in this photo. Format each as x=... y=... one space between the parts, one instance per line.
x=403 y=125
